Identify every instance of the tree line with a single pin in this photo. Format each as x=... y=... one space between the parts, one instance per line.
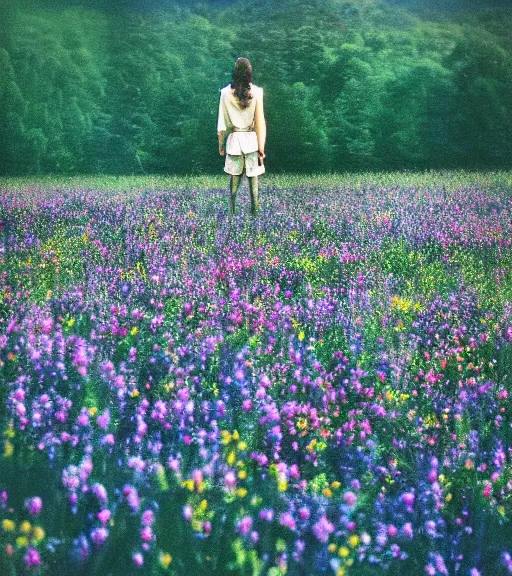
x=349 y=85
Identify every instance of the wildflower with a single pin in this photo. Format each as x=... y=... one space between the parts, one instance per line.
x=187 y=512
x=104 y=516
x=99 y=535
x=286 y=519
x=165 y=559
x=350 y=498
x=244 y=525
x=322 y=529
x=32 y=557
x=147 y=517
x=8 y=525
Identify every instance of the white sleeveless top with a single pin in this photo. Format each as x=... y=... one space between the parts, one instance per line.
x=231 y=115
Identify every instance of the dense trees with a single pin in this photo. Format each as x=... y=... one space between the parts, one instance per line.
x=349 y=85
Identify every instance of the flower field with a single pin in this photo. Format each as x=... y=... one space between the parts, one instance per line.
x=324 y=390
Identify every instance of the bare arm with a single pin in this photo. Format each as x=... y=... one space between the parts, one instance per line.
x=260 y=124
x=222 y=124
x=221 y=141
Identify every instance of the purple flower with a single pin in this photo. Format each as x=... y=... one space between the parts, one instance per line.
x=286 y=519
x=349 y=498
x=34 y=505
x=244 y=525
x=99 y=535
x=322 y=529
x=32 y=557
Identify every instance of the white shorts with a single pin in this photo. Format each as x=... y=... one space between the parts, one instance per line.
x=235 y=164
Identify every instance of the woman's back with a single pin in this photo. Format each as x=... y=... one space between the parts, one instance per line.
x=239 y=117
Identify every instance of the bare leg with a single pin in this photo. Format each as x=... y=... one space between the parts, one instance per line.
x=253 y=186
x=234 y=183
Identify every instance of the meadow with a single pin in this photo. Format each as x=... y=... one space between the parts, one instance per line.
x=323 y=390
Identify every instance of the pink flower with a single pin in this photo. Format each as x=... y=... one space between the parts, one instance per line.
x=104 y=515
x=230 y=479
x=32 y=557
x=408 y=500
x=146 y=534
x=34 y=505
x=187 y=512
x=407 y=530
x=286 y=519
x=322 y=529
x=244 y=525
x=350 y=498
x=103 y=420
x=147 y=517
x=99 y=535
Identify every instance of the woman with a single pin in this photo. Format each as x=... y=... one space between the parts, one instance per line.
x=241 y=114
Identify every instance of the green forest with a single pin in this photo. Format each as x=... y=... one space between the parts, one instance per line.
x=349 y=86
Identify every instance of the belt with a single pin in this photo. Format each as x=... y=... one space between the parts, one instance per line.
x=247 y=129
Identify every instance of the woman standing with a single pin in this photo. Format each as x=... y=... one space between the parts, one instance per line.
x=241 y=114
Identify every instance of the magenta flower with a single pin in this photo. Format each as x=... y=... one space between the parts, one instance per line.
x=32 y=558
x=104 y=516
x=244 y=525
x=34 y=505
x=99 y=535
x=322 y=529
x=350 y=498
x=286 y=519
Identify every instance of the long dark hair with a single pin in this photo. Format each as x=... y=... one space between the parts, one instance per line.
x=242 y=77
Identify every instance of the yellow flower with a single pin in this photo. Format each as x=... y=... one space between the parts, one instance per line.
x=242 y=474
x=25 y=527
x=231 y=458
x=188 y=484
x=21 y=541
x=134 y=331
x=8 y=525
x=8 y=449
x=242 y=445
x=335 y=484
x=39 y=533
x=327 y=492
x=241 y=492
x=236 y=435
x=93 y=410
x=331 y=547
x=196 y=524
x=165 y=559
x=353 y=540
x=203 y=505
x=343 y=551
x=301 y=335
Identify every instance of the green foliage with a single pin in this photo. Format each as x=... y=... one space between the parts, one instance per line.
x=348 y=86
